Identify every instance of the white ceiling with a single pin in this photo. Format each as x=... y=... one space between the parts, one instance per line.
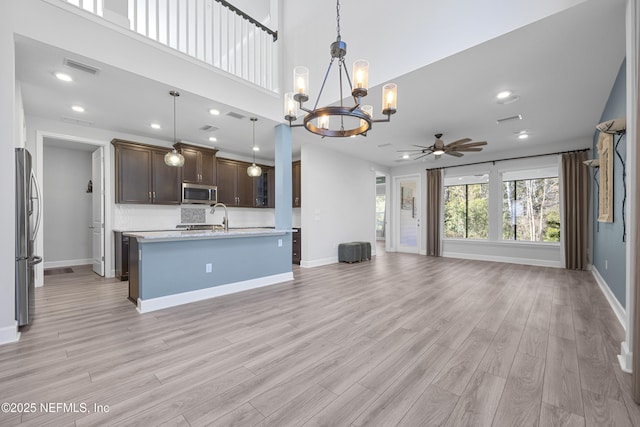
x=562 y=67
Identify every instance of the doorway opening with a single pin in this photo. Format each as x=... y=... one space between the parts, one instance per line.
x=73 y=232
x=407 y=213
x=381 y=213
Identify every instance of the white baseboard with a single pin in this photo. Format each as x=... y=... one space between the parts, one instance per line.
x=153 y=304
x=9 y=334
x=318 y=262
x=625 y=358
x=67 y=263
x=617 y=308
x=510 y=260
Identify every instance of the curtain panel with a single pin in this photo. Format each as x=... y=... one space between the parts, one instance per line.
x=434 y=208
x=575 y=189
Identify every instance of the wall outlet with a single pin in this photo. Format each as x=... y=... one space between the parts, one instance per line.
x=279 y=243
x=208 y=268
x=606 y=264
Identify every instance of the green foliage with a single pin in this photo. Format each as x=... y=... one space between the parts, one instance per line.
x=531 y=210
x=466 y=211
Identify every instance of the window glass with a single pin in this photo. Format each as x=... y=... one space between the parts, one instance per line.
x=466 y=211
x=531 y=210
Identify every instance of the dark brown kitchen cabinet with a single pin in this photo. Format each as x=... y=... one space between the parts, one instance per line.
x=264 y=188
x=121 y=245
x=296 y=245
x=199 y=164
x=235 y=187
x=296 y=182
x=142 y=177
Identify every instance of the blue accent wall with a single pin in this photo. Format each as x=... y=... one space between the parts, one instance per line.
x=607 y=237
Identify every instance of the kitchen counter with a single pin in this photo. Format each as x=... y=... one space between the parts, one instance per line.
x=173 y=267
x=173 y=235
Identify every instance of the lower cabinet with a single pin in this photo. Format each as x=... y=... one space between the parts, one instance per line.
x=122 y=255
x=296 y=238
x=134 y=270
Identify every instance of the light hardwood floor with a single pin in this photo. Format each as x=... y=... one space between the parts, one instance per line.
x=401 y=340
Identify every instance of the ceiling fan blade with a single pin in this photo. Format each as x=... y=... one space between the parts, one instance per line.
x=467 y=149
x=458 y=142
x=453 y=153
x=424 y=155
x=472 y=144
x=421 y=146
x=408 y=151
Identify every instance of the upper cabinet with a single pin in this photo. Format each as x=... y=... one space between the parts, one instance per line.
x=295 y=179
x=236 y=188
x=199 y=164
x=142 y=177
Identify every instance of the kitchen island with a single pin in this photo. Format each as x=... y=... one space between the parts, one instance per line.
x=169 y=268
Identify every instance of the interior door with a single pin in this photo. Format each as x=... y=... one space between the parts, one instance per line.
x=408 y=214
x=97 y=223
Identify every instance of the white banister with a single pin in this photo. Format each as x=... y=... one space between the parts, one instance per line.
x=212 y=31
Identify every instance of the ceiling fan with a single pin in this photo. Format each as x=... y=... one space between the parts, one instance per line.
x=439 y=148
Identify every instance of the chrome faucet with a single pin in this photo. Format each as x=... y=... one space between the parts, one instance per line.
x=225 y=220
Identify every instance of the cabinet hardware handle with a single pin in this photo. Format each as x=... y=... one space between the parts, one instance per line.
x=149 y=195
x=154 y=195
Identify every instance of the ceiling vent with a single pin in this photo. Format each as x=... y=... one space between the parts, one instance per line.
x=235 y=115
x=209 y=128
x=76 y=121
x=508 y=119
x=81 y=67
x=384 y=145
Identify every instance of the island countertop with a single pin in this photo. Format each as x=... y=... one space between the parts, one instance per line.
x=173 y=235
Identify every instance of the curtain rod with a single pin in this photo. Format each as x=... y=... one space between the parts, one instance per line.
x=512 y=158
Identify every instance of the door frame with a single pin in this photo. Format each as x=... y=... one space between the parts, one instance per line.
x=108 y=184
x=397 y=204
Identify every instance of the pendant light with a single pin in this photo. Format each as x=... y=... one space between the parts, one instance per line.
x=173 y=158
x=254 y=170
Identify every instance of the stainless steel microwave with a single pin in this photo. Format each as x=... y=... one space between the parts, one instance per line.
x=199 y=194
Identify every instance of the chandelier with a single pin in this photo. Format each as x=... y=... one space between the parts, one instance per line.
x=173 y=158
x=338 y=120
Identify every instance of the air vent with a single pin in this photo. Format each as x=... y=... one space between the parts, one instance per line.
x=384 y=145
x=209 y=128
x=235 y=115
x=508 y=119
x=76 y=121
x=81 y=67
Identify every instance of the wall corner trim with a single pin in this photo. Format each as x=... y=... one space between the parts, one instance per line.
x=625 y=358
x=619 y=311
x=9 y=334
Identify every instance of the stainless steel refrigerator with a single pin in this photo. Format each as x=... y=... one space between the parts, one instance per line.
x=28 y=213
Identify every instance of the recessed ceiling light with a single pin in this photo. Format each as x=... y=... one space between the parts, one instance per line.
x=523 y=136
x=405 y=156
x=213 y=139
x=256 y=148
x=504 y=94
x=77 y=109
x=64 y=77
x=214 y=112
x=155 y=126
x=353 y=136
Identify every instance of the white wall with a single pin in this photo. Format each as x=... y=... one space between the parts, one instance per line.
x=66 y=207
x=8 y=325
x=338 y=203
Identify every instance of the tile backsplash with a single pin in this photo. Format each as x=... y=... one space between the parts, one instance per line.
x=158 y=217
x=193 y=216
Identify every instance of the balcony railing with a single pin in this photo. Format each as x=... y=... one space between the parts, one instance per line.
x=212 y=31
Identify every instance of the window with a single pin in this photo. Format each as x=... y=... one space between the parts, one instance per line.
x=466 y=211
x=531 y=209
